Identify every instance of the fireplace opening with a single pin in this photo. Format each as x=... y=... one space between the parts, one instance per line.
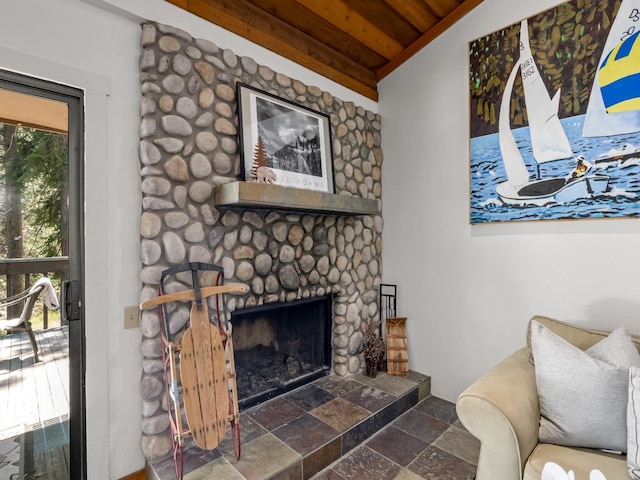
x=280 y=346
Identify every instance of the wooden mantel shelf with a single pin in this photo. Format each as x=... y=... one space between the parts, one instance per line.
x=251 y=195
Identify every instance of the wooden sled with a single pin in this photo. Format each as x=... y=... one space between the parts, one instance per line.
x=206 y=373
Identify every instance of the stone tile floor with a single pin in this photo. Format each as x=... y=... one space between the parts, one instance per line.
x=426 y=442
x=342 y=428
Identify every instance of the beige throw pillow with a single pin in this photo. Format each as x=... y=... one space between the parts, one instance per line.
x=583 y=400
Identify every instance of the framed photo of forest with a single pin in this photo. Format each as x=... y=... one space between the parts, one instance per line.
x=283 y=143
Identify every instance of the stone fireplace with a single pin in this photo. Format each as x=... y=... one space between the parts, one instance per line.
x=286 y=256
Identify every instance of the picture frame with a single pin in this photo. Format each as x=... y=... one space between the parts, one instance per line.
x=282 y=142
x=554 y=130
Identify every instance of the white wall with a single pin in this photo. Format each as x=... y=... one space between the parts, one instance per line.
x=468 y=291
x=96 y=48
x=63 y=41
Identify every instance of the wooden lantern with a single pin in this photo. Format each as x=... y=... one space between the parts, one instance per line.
x=397 y=356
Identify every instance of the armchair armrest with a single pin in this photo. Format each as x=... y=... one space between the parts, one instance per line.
x=501 y=409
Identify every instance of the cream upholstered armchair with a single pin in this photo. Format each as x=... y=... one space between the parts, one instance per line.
x=502 y=410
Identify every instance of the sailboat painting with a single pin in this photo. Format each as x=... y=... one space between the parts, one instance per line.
x=565 y=142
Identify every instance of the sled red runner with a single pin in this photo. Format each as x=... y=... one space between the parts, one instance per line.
x=202 y=364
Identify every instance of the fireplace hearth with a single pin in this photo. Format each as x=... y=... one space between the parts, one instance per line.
x=281 y=346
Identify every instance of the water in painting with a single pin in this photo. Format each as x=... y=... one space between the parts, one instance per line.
x=612 y=156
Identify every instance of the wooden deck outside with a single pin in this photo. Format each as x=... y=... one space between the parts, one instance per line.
x=34 y=405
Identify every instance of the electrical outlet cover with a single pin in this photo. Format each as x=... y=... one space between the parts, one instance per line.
x=131 y=317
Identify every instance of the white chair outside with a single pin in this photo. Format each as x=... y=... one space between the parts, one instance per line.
x=29 y=297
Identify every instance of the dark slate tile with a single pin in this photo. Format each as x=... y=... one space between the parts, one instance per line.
x=358 y=434
x=437 y=464
x=369 y=427
x=420 y=425
x=362 y=378
x=294 y=472
x=459 y=442
x=329 y=474
x=397 y=445
x=220 y=469
x=393 y=384
x=194 y=458
x=337 y=385
x=265 y=457
x=406 y=474
x=417 y=377
x=424 y=390
x=321 y=458
x=438 y=408
x=249 y=430
x=365 y=463
x=275 y=413
x=385 y=416
x=306 y=434
x=341 y=414
x=370 y=398
x=163 y=468
x=309 y=397
x=407 y=401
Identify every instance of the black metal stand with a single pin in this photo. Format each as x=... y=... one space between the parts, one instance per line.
x=387 y=305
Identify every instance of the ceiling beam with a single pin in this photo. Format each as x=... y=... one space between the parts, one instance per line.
x=442 y=7
x=415 y=12
x=299 y=17
x=258 y=26
x=428 y=37
x=351 y=22
x=386 y=18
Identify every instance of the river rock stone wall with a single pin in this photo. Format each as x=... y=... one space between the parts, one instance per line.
x=188 y=145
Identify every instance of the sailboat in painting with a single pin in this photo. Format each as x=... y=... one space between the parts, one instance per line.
x=619 y=70
x=549 y=142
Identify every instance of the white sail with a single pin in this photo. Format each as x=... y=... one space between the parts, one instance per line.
x=597 y=121
x=514 y=165
x=548 y=138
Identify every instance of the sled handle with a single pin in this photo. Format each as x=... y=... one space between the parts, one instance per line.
x=191 y=295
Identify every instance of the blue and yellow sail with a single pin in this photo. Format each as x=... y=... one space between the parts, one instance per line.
x=619 y=76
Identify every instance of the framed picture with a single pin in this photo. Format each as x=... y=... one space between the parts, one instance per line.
x=283 y=143
x=555 y=115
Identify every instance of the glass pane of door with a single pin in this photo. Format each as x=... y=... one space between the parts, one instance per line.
x=34 y=262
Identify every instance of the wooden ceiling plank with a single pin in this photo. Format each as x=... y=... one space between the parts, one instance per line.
x=442 y=7
x=299 y=17
x=34 y=112
x=428 y=37
x=415 y=11
x=348 y=20
x=387 y=19
x=252 y=23
x=184 y=4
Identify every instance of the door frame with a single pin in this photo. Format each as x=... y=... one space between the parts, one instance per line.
x=74 y=99
x=96 y=88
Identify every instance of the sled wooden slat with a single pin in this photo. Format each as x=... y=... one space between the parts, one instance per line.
x=204 y=385
x=191 y=295
x=397 y=356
